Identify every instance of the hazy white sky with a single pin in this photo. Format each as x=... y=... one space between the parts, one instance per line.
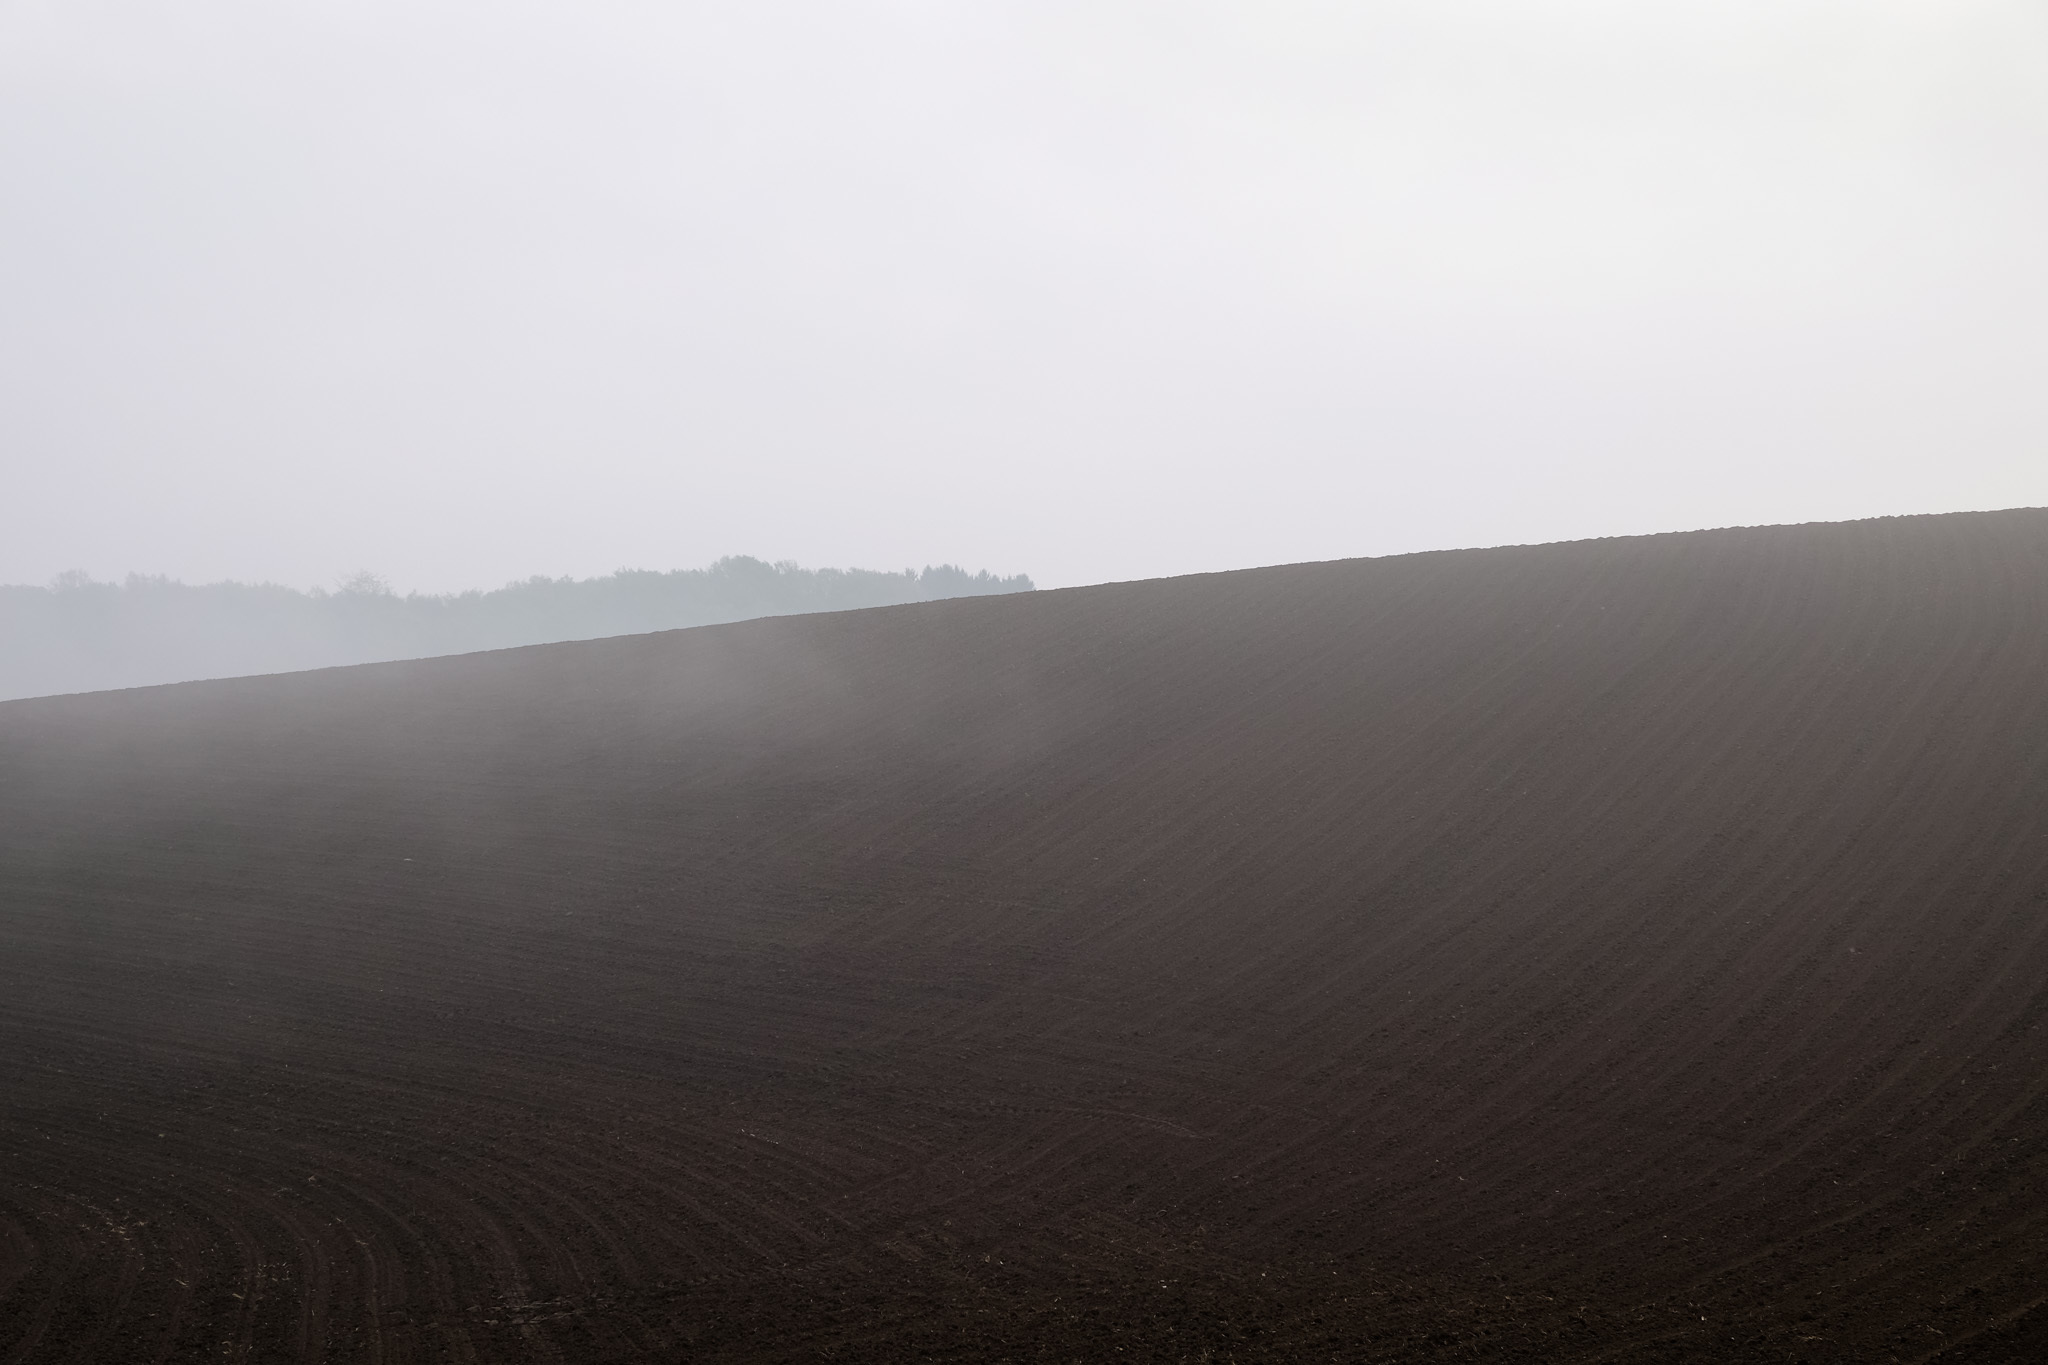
x=462 y=292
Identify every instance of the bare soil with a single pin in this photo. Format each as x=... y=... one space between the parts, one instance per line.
x=1631 y=950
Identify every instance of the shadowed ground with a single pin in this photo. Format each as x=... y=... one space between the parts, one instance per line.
x=1630 y=950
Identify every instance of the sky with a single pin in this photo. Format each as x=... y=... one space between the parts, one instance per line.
x=460 y=293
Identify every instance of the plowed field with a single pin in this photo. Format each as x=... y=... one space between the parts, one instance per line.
x=1630 y=950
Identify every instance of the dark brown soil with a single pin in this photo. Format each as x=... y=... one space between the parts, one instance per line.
x=1634 y=950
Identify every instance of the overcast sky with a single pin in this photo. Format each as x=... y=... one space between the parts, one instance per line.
x=462 y=292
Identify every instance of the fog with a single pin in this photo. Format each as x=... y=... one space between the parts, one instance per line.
x=465 y=293
x=78 y=635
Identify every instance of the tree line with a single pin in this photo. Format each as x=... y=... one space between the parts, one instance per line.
x=80 y=635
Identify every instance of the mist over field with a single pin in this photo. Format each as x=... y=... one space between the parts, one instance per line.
x=1514 y=835
x=78 y=635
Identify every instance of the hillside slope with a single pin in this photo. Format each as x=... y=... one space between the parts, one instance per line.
x=1623 y=950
